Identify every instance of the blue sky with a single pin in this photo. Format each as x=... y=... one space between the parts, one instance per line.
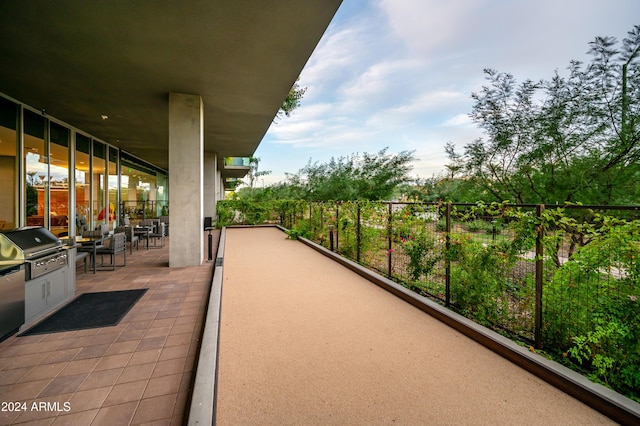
x=399 y=73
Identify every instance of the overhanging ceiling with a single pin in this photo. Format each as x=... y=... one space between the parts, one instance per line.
x=79 y=61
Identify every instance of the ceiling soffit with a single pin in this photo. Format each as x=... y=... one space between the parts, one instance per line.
x=80 y=61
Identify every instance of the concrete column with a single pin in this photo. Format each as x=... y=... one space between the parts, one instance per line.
x=219 y=186
x=210 y=170
x=186 y=152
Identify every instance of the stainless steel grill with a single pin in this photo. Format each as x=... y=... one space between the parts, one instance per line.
x=37 y=247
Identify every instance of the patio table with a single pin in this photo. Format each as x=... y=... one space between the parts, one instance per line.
x=143 y=231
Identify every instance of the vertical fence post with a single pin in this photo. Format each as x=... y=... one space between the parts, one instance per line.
x=539 y=277
x=390 y=237
x=321 y=230
x=337 y=227
x=358 y=235
x=331 y=247
x=287 y=216
x=447 y=261
x=310 y=218
x=293 y=216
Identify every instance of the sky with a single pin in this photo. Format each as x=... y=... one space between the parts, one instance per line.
x=400 y=73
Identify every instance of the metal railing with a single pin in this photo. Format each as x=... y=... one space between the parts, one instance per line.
x=237 y=161
x=144 y=209
x=562 y=279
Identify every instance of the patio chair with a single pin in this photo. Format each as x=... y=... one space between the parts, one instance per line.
x=104 y=228
x=147 y=223
x=88 y=249
x=94 y=233
x=158 y=234
x=132 y=238
x=81 y=260
x=165 y=220
x=115 y=245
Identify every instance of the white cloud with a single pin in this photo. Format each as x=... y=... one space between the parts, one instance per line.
x=344 y=52
x=399 y=73
x=427 y=26
x=460 y=120
x=332 y=59
x=419 y=107
x=379 y=77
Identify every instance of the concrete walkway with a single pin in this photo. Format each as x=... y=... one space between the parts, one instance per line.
x=306 y=341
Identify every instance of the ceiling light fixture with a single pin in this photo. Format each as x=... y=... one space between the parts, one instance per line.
x=104 y=117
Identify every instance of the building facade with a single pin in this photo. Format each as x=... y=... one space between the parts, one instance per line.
x=129 y=109
x=57 y=176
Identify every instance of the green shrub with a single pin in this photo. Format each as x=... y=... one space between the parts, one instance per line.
x=592 y=306
x=423 y=254
x=245 y=212
x=479 y=225
x=479 y=279
x=225 y=212
x=301 y=229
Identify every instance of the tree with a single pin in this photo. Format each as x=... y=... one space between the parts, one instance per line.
x=366 y=177
x=253 y=174
x=292 y=101
x=32 y=194
x=570 y=139
x=442 y=187
x=456 y=165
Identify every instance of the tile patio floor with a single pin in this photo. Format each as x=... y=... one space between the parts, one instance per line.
x=138 y=372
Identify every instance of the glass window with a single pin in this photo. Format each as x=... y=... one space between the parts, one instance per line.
x=98 y=180
x=36 y=168
x=83 y=183
x=8 y=165
x=59 y=179
x=127 y=192
x=139 y=190
x=163 y=194
x=113 y=186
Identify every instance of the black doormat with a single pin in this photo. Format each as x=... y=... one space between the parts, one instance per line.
x=89 y=310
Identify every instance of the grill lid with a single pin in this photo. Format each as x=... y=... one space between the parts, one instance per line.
x=28 y=242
